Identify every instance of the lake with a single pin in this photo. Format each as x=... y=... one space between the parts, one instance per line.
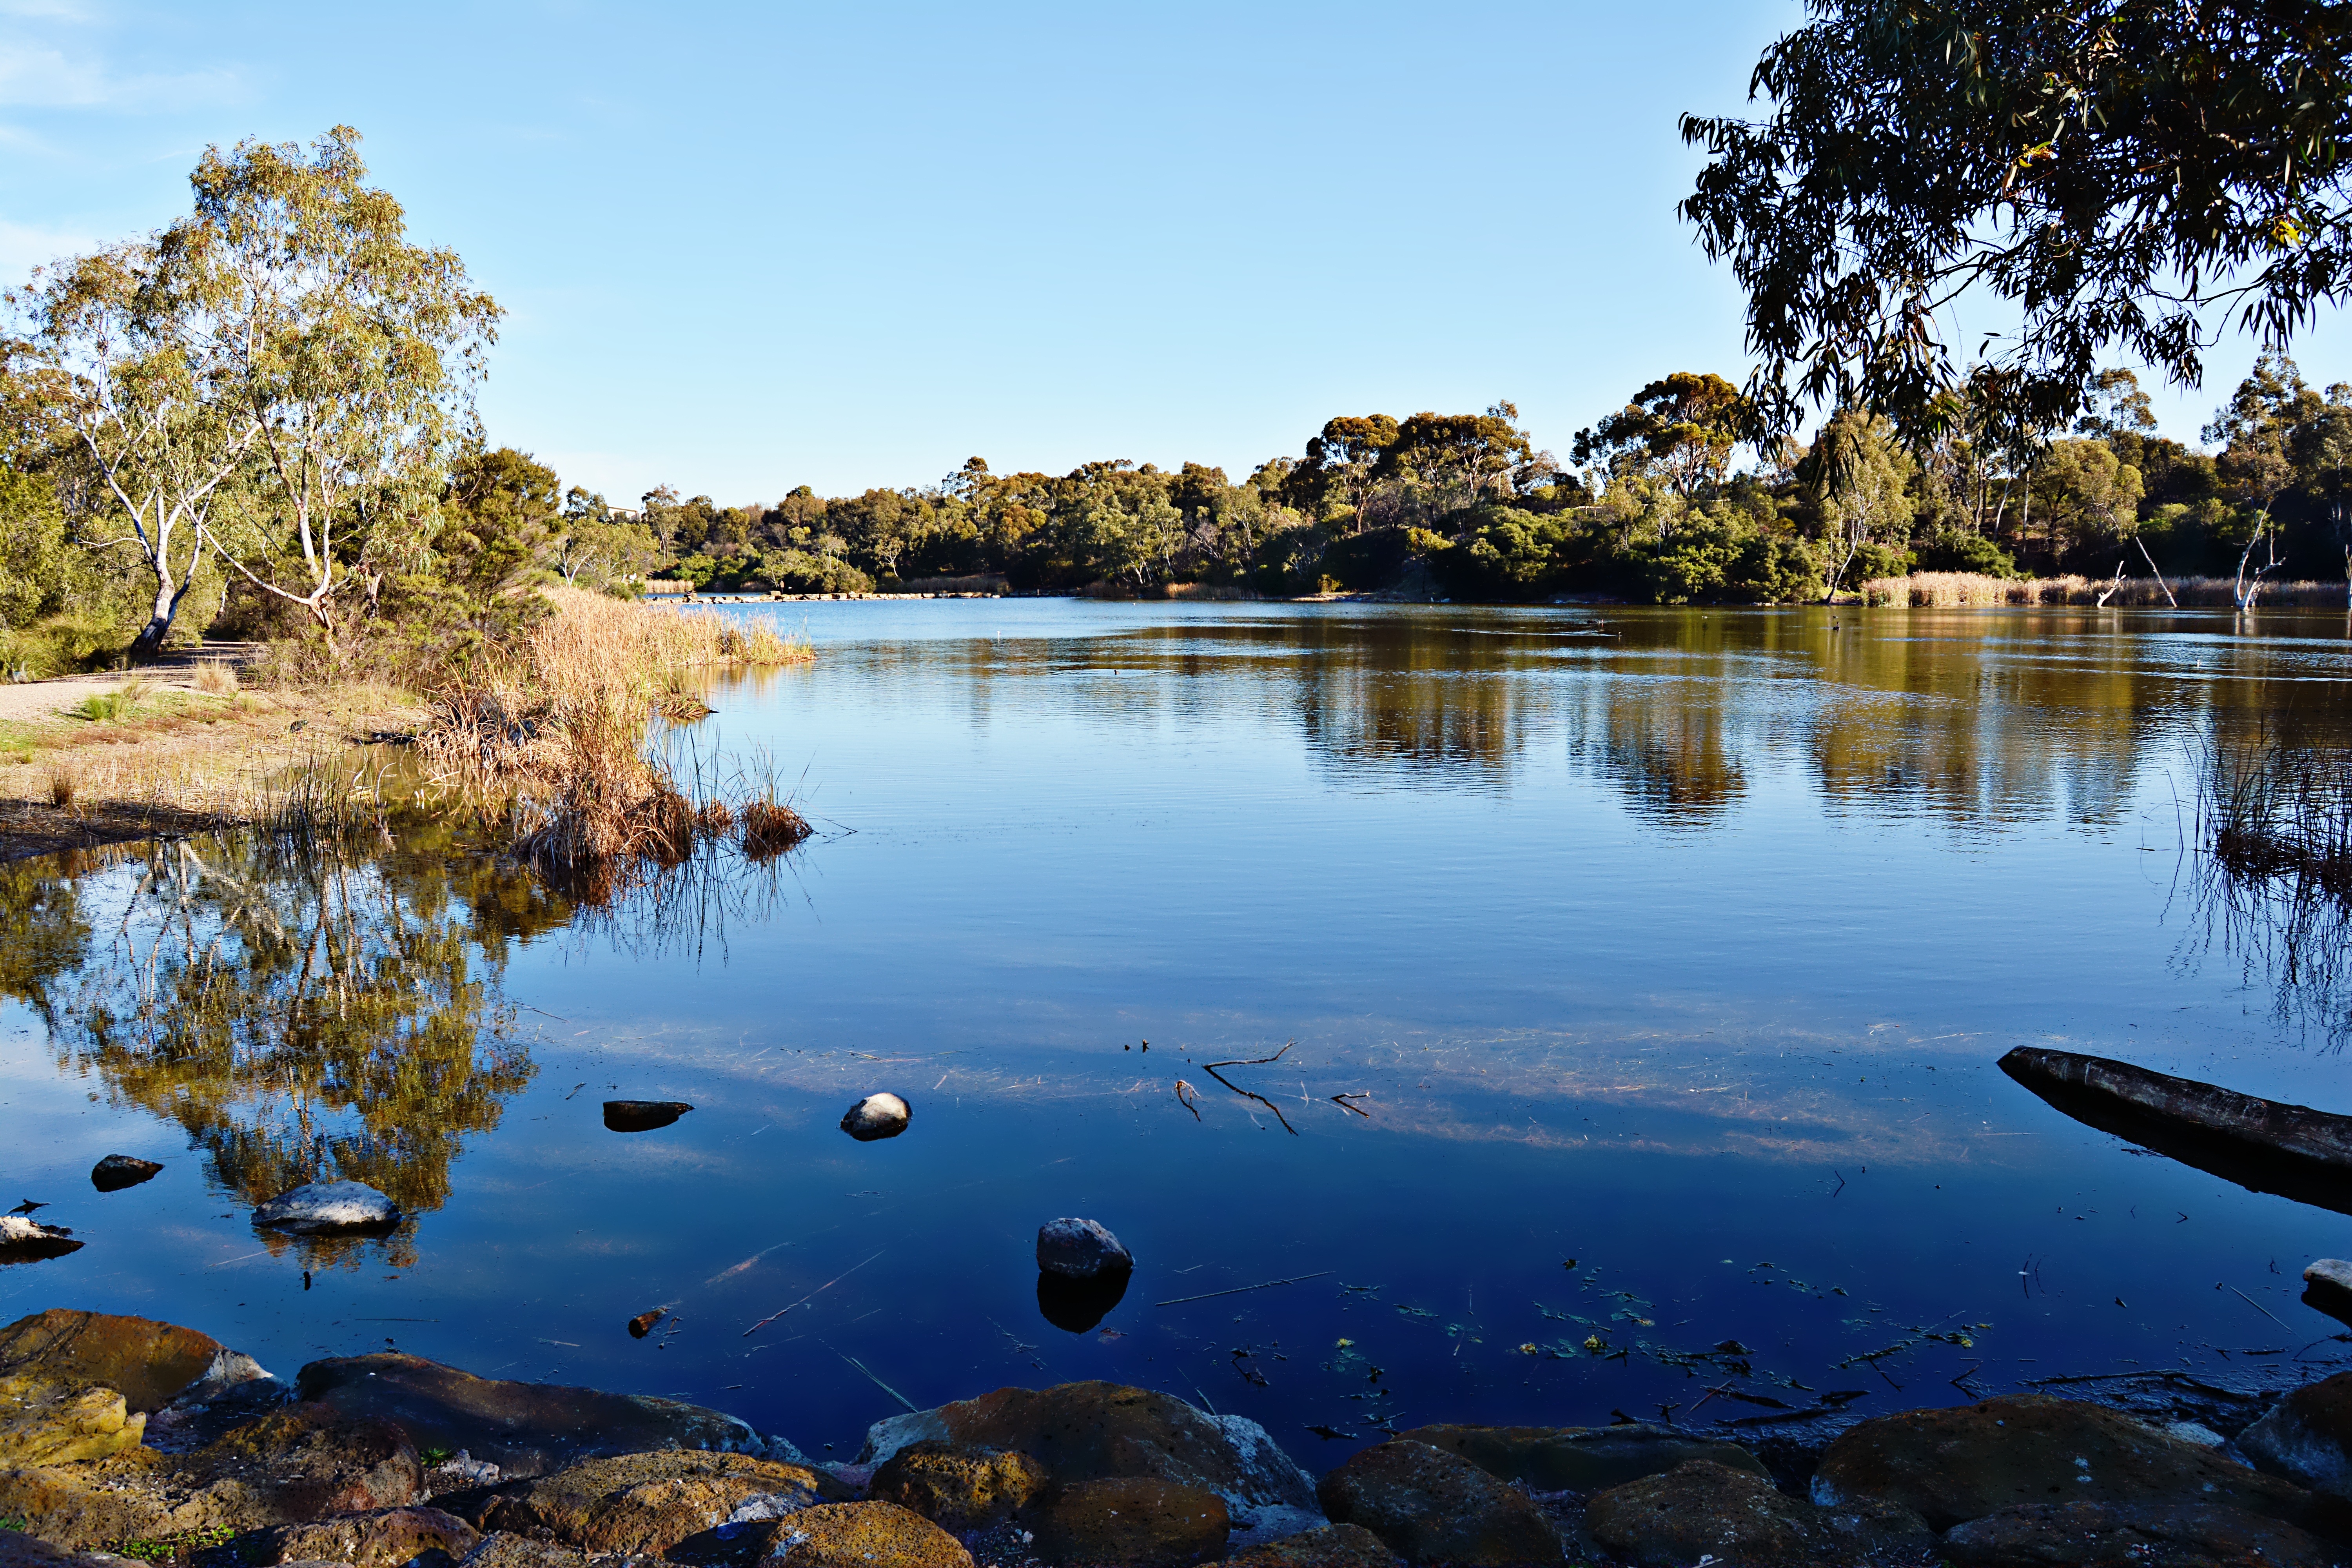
x=1662 y=959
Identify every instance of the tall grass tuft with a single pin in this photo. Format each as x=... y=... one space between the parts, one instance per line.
x=2275 y=810
x=549 y=742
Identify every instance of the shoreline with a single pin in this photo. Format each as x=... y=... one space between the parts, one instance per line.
x=126 y=1437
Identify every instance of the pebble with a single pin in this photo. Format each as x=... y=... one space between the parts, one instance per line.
x=322 y=1206
x=876 y=1116
x=1080 y=1249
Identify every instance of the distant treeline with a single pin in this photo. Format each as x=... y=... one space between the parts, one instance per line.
x=1650 y=506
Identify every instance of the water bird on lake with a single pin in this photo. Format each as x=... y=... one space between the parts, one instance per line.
x=27 y=1207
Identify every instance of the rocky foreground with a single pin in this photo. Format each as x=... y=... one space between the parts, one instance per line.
x=126 y=1439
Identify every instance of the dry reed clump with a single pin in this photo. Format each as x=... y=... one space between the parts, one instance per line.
x=771 y=828
x=1964 y=590
x=63 y=786
x=549 y=740
x=215 y=678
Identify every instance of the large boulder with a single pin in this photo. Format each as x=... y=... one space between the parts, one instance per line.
x=865 y=1535
x=1702 y=1510
x=651 y=1502
x=1093 y=1431
x=288 y=1466
x=1955 y=1464
x=149 y=1363
x=1133 y=1523
x=1332 y=1546
x=383 y=1539
x=2308 y=1437
x=39 y=1424
x=2143 y=1535
x=1580 y=1458
x=1080 y=1249
x=1435 y=1507
x=524 y=1428
x=960 y=1488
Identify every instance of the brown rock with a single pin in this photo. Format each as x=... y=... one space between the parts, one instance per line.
x=40 y=1423
x=505 y=1549
x=1133 y=1522
x=1579 y=1459
x=866 y=1535
x=650 y=1502
x=148 y=1362
x=2308 y=1437
x=524 y=1428
x=288 y=1467
x=2144 y=1535
x=960 y=1489
x=1702 y=1508
x=1333 y=1546
x=18 y=1550
x=1952 y=1466
x=384 y=1539
x=1093 y=1431
x=1435 y=1507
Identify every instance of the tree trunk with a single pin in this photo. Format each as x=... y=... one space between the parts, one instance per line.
x=2159 y=576
x=148 y=646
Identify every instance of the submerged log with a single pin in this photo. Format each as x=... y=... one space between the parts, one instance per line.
x=2263 y=1146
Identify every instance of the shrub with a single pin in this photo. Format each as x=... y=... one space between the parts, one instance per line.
x=1969 y=552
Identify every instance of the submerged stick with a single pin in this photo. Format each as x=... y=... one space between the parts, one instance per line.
x=1244 y=1289
x=1211 y=1068
x=810 y=1297
x=871 y=1378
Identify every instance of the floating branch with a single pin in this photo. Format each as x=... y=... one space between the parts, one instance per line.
x=1245 y=1289
x=1211 y=1068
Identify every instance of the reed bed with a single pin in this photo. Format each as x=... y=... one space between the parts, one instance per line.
x=2280 y=811
x=1965 y=590
x=547 y=746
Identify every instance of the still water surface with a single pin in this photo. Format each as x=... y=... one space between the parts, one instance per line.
x=1669 y=953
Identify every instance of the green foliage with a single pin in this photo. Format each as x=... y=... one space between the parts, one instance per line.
x=34 y=568
x=2108 y=169
x=1964 y=552
x=1682 y=429
x=1504 y=552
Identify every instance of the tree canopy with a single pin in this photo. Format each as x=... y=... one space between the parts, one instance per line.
x=2110 y=170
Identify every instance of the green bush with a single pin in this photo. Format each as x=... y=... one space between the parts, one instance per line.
x=1775 y=569
x=1964 y=552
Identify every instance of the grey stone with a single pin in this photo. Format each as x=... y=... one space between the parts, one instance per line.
x=117 y=1171
x=323 y=1207
x=1080 y=1249
x=876 y=1116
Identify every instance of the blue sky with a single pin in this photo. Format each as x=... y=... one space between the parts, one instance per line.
x=746 y=248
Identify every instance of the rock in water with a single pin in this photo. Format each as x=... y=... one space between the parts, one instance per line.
x=1086 y=1431
x=117 y=1171
x=1133 y=1521
x=2147 y=1535
x=1580 y=1458
x=642 y=1115
x=1081 y=1249
x=876 y=1116
x=524 y=1428
x=322 y=1208
x=23 y=1241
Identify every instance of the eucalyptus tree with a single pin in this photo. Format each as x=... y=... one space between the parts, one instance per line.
x=353 y=363
x=1860 y=478
x=1684 y=428
x=2106 y=172
x=131 y=355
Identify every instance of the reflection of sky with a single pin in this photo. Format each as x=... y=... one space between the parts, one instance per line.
x=1433 y=857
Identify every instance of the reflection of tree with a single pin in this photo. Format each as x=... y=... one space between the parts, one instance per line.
x=303 y=1014
x=1666 y=745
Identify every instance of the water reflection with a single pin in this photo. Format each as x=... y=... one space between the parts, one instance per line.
x=302 y=1012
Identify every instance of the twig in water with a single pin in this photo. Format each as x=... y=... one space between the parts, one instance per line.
x=810 y=1297
x=1211 y=1068
x=1244 y=1289
x=2257 y=1306
x=1343 y=1102
x=1187 y=1096
x=873 y=1380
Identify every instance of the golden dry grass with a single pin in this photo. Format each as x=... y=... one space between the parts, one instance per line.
x=1961 y=590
